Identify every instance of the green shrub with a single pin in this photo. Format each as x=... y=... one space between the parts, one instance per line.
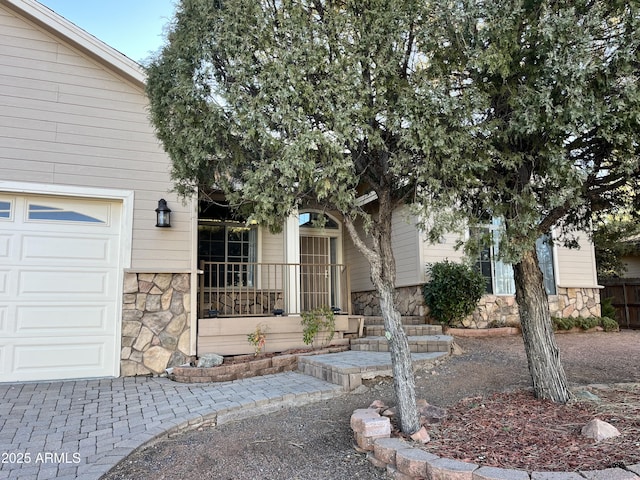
x=453 y=291
x=587 y=323
x=560 y=323
x=316 y=321
x=607 y=309
x=609 y=324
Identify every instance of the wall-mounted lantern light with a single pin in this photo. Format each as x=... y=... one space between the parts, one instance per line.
x=163 y=214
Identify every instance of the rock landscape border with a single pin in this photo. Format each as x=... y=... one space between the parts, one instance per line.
x=403 y=461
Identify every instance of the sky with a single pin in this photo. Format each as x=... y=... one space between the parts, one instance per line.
x=133 y=27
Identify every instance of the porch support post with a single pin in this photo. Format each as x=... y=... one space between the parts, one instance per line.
x=292 y=259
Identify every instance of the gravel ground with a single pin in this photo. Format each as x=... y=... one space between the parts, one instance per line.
x=315 y=441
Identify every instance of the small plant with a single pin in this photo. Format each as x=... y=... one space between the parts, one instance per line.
x=453 y=291
x=316 y=321
x=258 y=338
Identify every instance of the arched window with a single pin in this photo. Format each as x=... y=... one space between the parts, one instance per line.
x=317 y=220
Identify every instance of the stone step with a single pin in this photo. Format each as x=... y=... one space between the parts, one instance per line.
x=349 y=368
x=340 y=342
x=406 y=320
x=417 y=344
x=410 y=330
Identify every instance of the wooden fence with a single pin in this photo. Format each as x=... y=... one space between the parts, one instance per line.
x=625 y=295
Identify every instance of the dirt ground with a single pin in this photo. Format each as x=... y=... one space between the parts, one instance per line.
x=315 y=441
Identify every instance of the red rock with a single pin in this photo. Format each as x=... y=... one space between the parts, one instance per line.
x=421 y=436
x=377 y=404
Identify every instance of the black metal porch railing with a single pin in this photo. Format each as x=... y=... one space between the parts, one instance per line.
x=262 y=289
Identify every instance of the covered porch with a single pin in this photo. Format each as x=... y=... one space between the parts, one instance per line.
x=252 y=278
x=236 y=299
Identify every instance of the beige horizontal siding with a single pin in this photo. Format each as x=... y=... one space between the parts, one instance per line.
x=33 y=64
x=442 y=250
x=406 y=249
x=272 y=246
x=37 y=151
x=271 y=251
x=76 y=122
x=68 y=120
x=43 y=104
x=576 y=266
x=633 y=266
x=358 y=265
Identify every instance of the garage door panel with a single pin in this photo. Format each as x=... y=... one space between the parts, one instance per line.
x=5 y=245
x=62 y=360
x=63 y=320
x=50 y=284
x=4 y=325
x=4 y=282
x=46 y=250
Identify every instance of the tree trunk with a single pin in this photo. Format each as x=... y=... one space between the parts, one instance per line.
x=383 y=275
x=547 y=373
x=403 y=378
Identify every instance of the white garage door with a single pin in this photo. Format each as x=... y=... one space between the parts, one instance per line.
x=59 y=260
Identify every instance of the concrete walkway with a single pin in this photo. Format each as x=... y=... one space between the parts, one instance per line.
x=81 y=429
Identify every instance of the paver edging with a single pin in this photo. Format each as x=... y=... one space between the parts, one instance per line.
x=287 y=362
x=369 y=433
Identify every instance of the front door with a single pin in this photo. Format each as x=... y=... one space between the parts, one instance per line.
x=315 y=272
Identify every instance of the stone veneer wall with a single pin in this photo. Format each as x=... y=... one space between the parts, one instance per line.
x=502 y=311
x=492 y=311
x=409 y=300
x=155 y=322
